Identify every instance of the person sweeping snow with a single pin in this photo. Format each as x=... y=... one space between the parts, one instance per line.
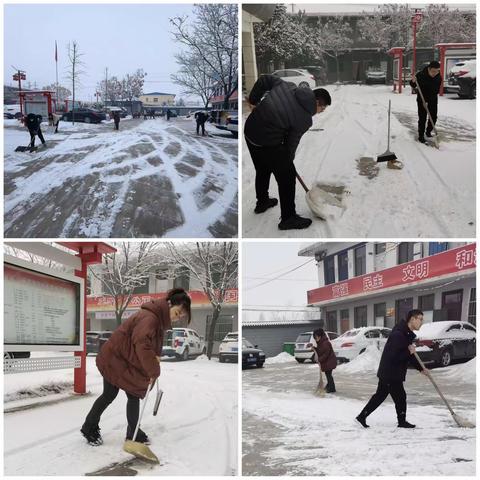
x=397 y=354
x=130 y=360
x=281 y=114
x=429 y=80
x=327 y=361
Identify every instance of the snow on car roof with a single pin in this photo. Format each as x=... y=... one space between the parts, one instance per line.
x=436 y=328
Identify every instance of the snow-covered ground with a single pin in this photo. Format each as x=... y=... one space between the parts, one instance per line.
x=151 y=178
x=433 y=196
x=194 y=433
x=287 y=430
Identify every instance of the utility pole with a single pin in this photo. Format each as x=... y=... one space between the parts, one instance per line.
x=19 y=76
x=106 y=85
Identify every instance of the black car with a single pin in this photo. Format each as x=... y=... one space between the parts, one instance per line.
x=95 y=340
x=319 y=74
x=252 y=356
x=86 y=115
x=467 y=86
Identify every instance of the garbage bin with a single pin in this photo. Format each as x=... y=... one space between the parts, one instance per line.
x=289 y=347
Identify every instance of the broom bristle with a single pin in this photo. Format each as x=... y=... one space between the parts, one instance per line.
x=386 y=157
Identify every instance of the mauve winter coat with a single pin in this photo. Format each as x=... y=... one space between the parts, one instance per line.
x=128 y=359
x=326 y=355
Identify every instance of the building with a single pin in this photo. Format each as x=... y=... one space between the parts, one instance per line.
x=101 y=309
x=157 y=99
x=366 y=284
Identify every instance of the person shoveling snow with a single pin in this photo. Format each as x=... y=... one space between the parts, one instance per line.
x=281 y=114
x=327 y=361
x=33 y=123
x=396 y=356
x=130 y=361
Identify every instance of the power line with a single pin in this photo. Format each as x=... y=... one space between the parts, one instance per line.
x=283 y=279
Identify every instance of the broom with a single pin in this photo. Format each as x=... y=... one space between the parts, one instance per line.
x=388 y=155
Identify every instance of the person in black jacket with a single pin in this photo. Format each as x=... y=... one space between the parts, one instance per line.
x=116 y=119
x=201 y=118
x=33 y=123
x=281 y=114
x=429 y=81
x=392 y=370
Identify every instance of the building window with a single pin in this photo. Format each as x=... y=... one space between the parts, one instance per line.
x=380 y=248
x=155 y=100
x=223 y=326
x=142 y=288
x=437 y=247
x=452 y=304
x=405 y=252
x=332 y=321
x=360 y=255
x=380 y=312
x=342 y=266
x=472 y=307
x=402 y=307
x=329 y=269
x=426 y=302
x=360 y=316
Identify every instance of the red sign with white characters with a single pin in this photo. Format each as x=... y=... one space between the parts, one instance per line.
x=445 y=263
x=199 y=298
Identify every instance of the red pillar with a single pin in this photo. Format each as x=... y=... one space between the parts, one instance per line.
x=442 y=68
x=400 y=66
x=80 y=374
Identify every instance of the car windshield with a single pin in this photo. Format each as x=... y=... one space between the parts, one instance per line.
x=231 y=337
x=93 y=334
x=303 y=338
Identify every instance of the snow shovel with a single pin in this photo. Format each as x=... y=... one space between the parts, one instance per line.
x=389 y=156
x=315 y=198
x=138 y=449
x=425 y=106
x=24 y=149
x=461 y=422
x=158 y=399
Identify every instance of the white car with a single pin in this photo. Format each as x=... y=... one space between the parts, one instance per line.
x=451 y=84
x=183 y=343
x=298 y=76
x=228 y=349
x=354 y=342
x=303 y=346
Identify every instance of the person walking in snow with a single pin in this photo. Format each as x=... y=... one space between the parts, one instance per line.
x=201 y=117
x=327 y=361
x=116 y=119
x=429 y=81
x=169 y=114
x=130 y=360
x=397 y=355
x=281 y=114
x=33 y=123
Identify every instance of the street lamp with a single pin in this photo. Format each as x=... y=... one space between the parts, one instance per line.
x=416 y=19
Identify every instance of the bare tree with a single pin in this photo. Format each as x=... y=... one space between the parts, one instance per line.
x=111 y=90
x=75 y=71
x=126 y=270
x=215 y=266
x=63 y=92
x=132 y=86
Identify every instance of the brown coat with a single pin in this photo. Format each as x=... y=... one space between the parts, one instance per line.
x=128 y=359
x=326 y=355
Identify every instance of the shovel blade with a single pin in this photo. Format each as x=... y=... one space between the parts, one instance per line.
x=462 y=422
x=140 y=450
x=316 y=202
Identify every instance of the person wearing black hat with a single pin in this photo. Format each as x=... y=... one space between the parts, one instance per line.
x=429 y=81
x=396 y=356
x=281 y=114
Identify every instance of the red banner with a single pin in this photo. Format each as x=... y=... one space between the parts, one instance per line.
x=448 y=262
x=199 y=298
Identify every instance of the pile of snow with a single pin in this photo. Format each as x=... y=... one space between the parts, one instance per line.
x=283 y=357
x=465 y=372
x=366 y=362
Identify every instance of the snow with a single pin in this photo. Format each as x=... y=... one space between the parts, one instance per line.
x=282 y=357
x=367 y=361
x=197 y=416
x=433 y=196
x=464 y=372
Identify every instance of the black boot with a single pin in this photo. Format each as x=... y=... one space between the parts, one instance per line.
x=92 y=435
x=421 y=139
x=142 y=437
x=405 y=424
x=362 y=420
x=295 y=222
x=263 y=206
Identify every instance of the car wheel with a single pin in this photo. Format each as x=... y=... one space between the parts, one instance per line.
x=313 y=359
x=260 y=364
x=87 y=120
x=304 y=85
x=445 y=358
x=185 y=354
x=300 y=360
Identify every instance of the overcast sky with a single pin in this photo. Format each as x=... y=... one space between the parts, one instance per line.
x=265 y=260
x=120 y=37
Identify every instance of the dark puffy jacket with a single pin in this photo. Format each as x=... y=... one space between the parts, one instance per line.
x=325 y=354
x=430 y=86
x=201 y=117
x=128 y=358
x=280 y=117
x=33 y=122
x=396 y=356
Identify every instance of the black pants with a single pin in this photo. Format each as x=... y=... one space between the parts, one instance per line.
x=201 y=124
x=396 y=391
x=422 y=117
x=330 y=387
x=276 y=160
x=117 y=123
x=33 y=133
x=105 y=399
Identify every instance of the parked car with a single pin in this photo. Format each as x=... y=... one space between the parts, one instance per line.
x=304 y=343
x=451 y=84
x=12 y=116
x=232 y=125
x=375 y=75
x=86 y=115
x=298 y=76
x=110 y=110
x=252 y=356
x=228 y=349
x=183 y=343
x=467 y=80
x=440 y=343
x=96 y=340
x=319 y=74
x=354 y=342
